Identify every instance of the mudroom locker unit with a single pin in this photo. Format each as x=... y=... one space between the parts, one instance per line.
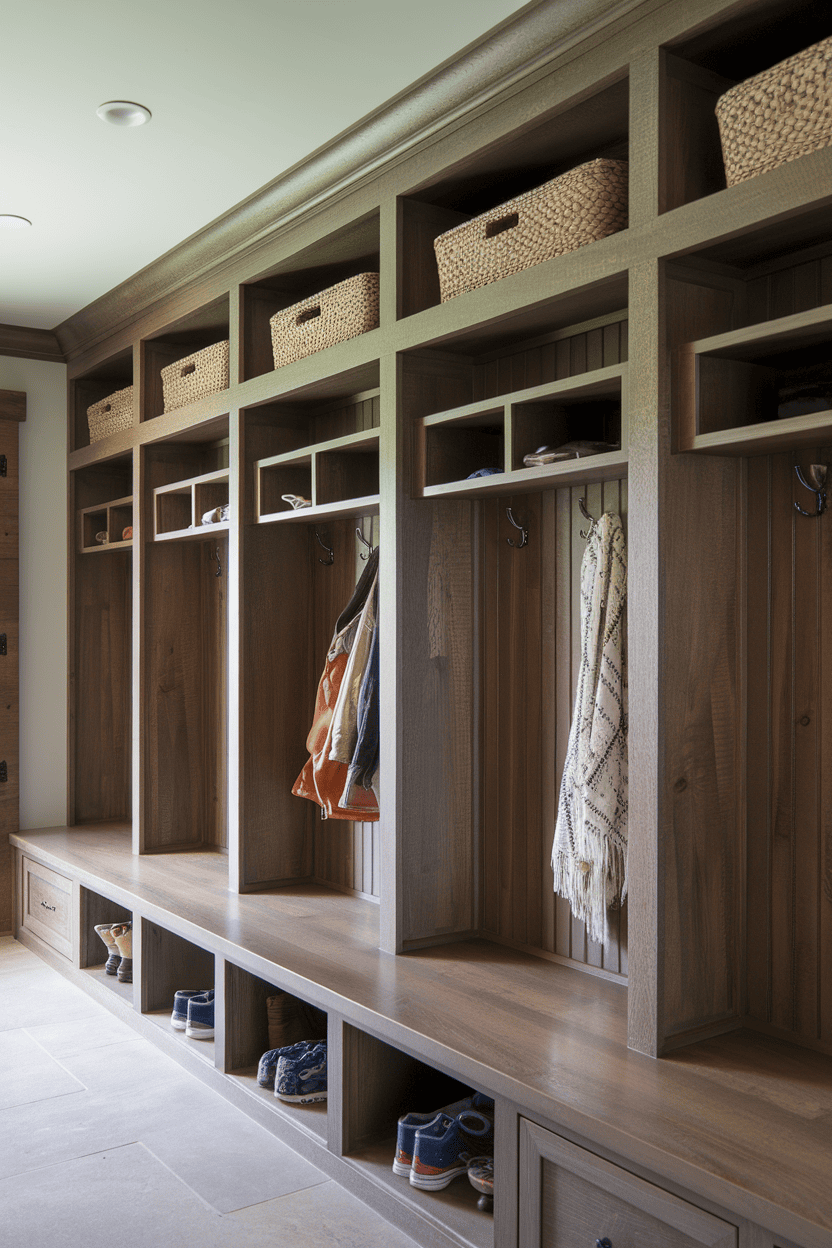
x=671 y=1084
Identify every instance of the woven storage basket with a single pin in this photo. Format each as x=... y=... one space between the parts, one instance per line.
x=778 y=115
x=579 y=207
x=343 y=311
x=111 y=415
x=204 y=372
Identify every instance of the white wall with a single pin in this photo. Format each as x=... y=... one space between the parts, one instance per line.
x=43 y=585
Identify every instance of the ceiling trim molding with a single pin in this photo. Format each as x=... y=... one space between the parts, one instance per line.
x=521 y=46
x=30 y=344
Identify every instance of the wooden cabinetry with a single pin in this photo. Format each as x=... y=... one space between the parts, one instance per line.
x=664 y=341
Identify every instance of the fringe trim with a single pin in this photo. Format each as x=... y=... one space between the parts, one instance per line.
x=592 y=880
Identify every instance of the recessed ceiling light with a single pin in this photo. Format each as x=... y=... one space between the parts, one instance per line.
x=10 y=222
x=123 y=113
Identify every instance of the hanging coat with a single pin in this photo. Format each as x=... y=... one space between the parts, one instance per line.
x=589 y=854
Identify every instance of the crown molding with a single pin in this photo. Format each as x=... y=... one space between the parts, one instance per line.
x=31 y=344
x=527 y=42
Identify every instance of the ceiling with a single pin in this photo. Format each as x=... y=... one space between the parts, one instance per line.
x=239 y=90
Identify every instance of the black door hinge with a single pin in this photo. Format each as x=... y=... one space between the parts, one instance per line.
x=3 y=645
x=4 y=772
x=3 y=466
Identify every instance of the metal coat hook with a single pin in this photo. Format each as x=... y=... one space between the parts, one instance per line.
x=369 y=545
x=524 y=539
x=816 y=485
x=219 y=565
x=326 y=562
x=587 y=516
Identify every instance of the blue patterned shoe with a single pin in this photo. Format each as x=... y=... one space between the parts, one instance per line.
x=481 y=1178
x=179 y=1016
x=302 y=1078
x=267 y=1066
x=200 y=1024
x=445 y=1147
x=409 y=1124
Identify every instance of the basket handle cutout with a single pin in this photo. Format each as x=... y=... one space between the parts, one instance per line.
x=189 y=368
x=108 y=408
x=492 y=228
x=308 y=315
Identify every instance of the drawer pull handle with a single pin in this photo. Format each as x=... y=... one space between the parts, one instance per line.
x=43 y=903
x=603 y=1243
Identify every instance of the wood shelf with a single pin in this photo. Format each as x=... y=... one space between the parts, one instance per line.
x=726 y=382
x=322 y=473
x=114 y=517
x=189 y=500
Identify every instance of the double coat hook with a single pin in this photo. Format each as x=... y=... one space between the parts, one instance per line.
x=816 y=485
x=522 y=529
x=326 y=562
x=364 y=554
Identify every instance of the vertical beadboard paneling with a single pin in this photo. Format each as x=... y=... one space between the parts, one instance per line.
x=789 y=835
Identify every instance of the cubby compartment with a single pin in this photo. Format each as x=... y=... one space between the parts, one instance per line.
x=170 y=963
x=285 y=639
x=91 y=387
x=593 y=126
x=381 y=1084
x=182 y=509
x=743 y=392
x=94 y=911
x=699 y=67
x=332 y=259
x=185 y=644
x=194 y=332
x=106 y=528
x=101 y=633
x=253 y=1027
x=481 y=409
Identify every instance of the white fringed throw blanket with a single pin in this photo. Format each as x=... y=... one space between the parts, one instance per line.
x=589 y=855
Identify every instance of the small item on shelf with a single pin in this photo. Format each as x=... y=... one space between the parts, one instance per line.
x=290 y=1019
x=483 y=472
x=122 y=934
x=113 y=956
x=445 y=1147
x=568 y=450
x=101 y=537
x=301 y=1078
x=409 y=1124
x=778 y=115
x=579 y=207
x=801 y=400
x=296 y=501
x=111 y=415
x=179 y=1016
x=127 y=533
x=200 y=1024
x=203 y=373
x=216 y=515
x=481 y=1178
x=342 y=311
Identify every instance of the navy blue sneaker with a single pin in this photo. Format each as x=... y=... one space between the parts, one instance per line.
x=267 y=1066
x=200 y=1024
x=179 y=1016
x=301 y=1078
x=445 y=1147
x=409 y=1124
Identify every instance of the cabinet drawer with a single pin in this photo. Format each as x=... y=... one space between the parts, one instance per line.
x=46 y=905
x=569 y=1198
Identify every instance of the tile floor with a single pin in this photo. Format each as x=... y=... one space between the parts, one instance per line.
x=107 y=1143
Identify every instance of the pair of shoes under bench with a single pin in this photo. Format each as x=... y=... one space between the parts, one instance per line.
x=193 y=1013
x=432 y=1149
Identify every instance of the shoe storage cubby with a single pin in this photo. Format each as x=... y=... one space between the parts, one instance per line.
x=248 y=1036
x=101 y=636
x=699 y=66
x=95 y=910
x=198 y=329
x=568 y=136
x=170 y=963
x=305 y=273
x=180 y=509
x=382 y=1083
x=185 y=646
x=738 y=390
x=89 y=387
